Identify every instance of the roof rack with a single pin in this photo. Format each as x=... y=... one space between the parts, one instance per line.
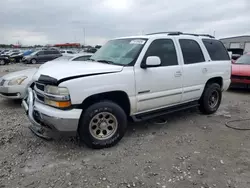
x=166 y=32
x=181 y=33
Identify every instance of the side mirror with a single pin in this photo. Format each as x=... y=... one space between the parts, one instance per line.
x=152 y=61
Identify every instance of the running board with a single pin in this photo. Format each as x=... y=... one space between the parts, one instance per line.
x=164 y=111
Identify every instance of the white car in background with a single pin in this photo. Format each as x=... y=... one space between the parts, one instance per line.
x=66 y=52
x=13 y=85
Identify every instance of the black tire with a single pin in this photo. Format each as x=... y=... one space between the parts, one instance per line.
x=205 y=106
x=88 y=116
x=2 y=62
x=33 y=61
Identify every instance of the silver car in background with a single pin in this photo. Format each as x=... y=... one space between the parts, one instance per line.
x=13 y=85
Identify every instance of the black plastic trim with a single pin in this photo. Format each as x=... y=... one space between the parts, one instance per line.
x=164 y=111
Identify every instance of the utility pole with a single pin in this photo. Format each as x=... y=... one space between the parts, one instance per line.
x=214 y=33
x=84 y=36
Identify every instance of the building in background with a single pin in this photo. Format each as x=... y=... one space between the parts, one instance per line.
x=237 y=44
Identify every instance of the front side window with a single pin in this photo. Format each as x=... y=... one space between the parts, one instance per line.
x=165 y=50
x=244 y=60
x=216 y=50
x=191 y=51
x=82 y=58
x=120 y=51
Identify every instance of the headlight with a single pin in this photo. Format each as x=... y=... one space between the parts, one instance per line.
x=57 y=96
x=54 y=90
x=17 y=81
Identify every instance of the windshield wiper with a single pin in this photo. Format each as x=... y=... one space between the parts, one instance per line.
x=91 y=59
x=105 y=61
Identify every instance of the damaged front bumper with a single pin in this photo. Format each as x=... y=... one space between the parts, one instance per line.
x=48 y=122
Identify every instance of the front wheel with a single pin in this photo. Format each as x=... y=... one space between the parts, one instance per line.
x=33 y=61
x=211 y=99
x=102 y=125
x=2 y=62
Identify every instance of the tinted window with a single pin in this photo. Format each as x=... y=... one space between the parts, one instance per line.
x=191 y=51
x=47 y=52
x=69 y=52
x=216 y=50
x=82 y=58
x=55 y=52
x=62 y=51
x=165 y=50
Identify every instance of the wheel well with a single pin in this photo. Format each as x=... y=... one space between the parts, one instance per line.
x=119 y=97
x=217 y=80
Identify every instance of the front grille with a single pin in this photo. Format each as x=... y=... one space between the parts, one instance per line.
x=39 y=91
x=240 y=77
x=40 y=86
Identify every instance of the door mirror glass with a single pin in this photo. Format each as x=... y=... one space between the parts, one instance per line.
x=153 y=61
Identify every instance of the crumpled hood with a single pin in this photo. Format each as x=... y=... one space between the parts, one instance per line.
x=65 y=69
x=26 y=72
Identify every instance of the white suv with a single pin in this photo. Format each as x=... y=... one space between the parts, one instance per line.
x=139 y=77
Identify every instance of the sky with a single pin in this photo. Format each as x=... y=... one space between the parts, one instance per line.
x=96 y=21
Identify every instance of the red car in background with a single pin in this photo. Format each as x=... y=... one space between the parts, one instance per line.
x=241 y=71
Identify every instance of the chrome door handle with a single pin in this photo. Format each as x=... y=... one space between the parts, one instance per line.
x=178 y=74
x=204 y=70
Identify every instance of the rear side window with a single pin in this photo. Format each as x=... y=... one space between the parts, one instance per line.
x=69 y=52
x=165 y=50
x=191 y=51
x=216 y=50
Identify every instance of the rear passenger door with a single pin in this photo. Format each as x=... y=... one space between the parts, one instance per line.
x=195 y=68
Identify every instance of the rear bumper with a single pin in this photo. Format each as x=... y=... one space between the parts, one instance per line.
x=48 y=122
x=240 y=81
x=12 y=92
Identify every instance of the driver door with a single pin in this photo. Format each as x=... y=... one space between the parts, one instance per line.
x=159 y=87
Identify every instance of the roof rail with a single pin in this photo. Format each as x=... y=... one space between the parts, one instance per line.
x=166 y=32
x=180 y=33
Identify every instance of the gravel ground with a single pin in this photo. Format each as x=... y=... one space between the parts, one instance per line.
x=189 y=151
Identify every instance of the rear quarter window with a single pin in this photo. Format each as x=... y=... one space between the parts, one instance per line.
x=216 y=50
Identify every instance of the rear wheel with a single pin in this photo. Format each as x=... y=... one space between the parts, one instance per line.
x=211 y=99
x=102 y=125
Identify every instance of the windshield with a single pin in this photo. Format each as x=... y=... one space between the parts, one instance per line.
x=245 y=59
x=119 y=51
x=67 y=58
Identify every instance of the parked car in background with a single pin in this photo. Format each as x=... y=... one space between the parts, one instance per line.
x=28 y=52
x=140 y=77
x=241 y=71
x=4 y=60
x=13 y=85
x=74 y=57
x=64 y=52
x=41 y=56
